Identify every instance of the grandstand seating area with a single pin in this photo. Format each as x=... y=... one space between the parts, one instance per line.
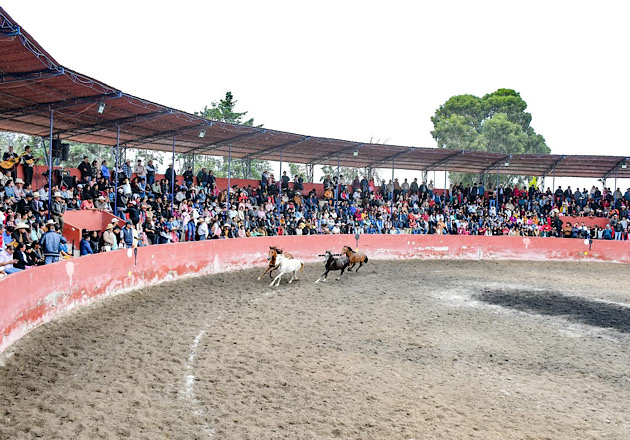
x=201 y=210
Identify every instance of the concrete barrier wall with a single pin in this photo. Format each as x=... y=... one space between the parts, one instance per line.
x=35 y=296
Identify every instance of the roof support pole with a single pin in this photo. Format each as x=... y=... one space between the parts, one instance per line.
x=615 y=191
x=338 y=186
x=553 y=189
x=445 y=174
x=280 y=184
x=497 y=192
x=172 y=178
x=393 y=168
x=229 y=176
x=50 y=165
x=116 y=166
x=310 y=172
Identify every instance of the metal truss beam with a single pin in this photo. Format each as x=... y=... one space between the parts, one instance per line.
x=93 y=128
x=276 y=148
x=494 y=164
x=217 y=145
x=445 y=160
x=162 y=135
x=57 y=105
x=615 y=168
x=329 y=156
x=12 y=78
x=390 y=158
x=553 y=167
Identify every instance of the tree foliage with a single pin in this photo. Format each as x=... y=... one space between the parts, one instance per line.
x=224 y=111
x=498 y=122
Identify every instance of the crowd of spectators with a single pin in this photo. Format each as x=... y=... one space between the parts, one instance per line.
x=151 y=211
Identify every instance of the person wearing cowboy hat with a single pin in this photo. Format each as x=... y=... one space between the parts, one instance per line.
x=21 y=233
x=51 y=242
x=57 y=209
x=20 y=193
x=109 y=238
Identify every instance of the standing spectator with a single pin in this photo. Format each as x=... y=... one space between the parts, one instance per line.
x=109 y=238
x=10 y=154
x=126 y=234
x=169 y=175
x=188 y=177
x=58 y=208
x=264 y=179
x=140 y=170
x=150 y=173
x=95 y=169
x=85 y=169
x=127 y=171
x=51 y=242
x=202 y=177
x=284 y=181
x=105 y=171
x=28 y=161
x=211 y=179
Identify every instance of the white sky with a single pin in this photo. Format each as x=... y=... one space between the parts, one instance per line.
x=356 y=69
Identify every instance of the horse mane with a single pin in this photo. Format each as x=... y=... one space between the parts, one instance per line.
x=349 y=248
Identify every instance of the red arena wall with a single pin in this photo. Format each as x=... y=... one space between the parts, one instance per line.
x=35 y=296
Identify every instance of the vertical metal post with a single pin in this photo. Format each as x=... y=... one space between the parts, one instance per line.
x=553 y=189
x=173 y=178
x=497 y=196
x=280 y=183
x=445 y=174
x=116 y=170
x=393 y=168
x=193 y=164
x=50 y=165
x=229 y=175
x=338 y=186
x=615 y=190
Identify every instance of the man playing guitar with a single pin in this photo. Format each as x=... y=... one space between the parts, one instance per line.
x=11 y=157
x=28 y=160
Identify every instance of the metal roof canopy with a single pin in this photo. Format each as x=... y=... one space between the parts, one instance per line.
x=32 y=83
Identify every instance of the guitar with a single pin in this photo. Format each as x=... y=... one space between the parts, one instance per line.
x=10 y=164
x=33 y=160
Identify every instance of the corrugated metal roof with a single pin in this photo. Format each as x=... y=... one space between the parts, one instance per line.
x=32 y=83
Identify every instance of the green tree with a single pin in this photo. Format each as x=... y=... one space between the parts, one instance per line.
x=224 y=111
x=498 y=122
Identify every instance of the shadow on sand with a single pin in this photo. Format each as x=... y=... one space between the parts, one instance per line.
x=572 y=308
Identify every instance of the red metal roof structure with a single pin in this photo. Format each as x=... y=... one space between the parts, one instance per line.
x=32 y=84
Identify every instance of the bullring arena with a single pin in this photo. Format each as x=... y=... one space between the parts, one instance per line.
x=443 y=337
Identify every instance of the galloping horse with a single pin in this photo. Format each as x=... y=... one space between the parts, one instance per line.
x=273 y=254
x=334 y=263
x=354 y=257
x=286 y=265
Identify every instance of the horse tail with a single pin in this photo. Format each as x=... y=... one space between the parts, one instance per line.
x=366 y=259
x=301 y=266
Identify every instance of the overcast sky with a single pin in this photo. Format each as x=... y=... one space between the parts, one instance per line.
x=356 y=70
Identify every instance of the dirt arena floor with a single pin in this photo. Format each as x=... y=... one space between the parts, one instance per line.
x=404 y=350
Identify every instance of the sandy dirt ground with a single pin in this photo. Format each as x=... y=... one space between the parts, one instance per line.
x=403 y=350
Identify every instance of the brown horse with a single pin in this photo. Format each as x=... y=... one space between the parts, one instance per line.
x=354 y=257
x=273 y=253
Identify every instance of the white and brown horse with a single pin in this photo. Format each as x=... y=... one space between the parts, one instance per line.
x=273 y=255
x=287 y=265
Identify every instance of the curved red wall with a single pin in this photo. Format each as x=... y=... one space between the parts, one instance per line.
x=35 y=296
